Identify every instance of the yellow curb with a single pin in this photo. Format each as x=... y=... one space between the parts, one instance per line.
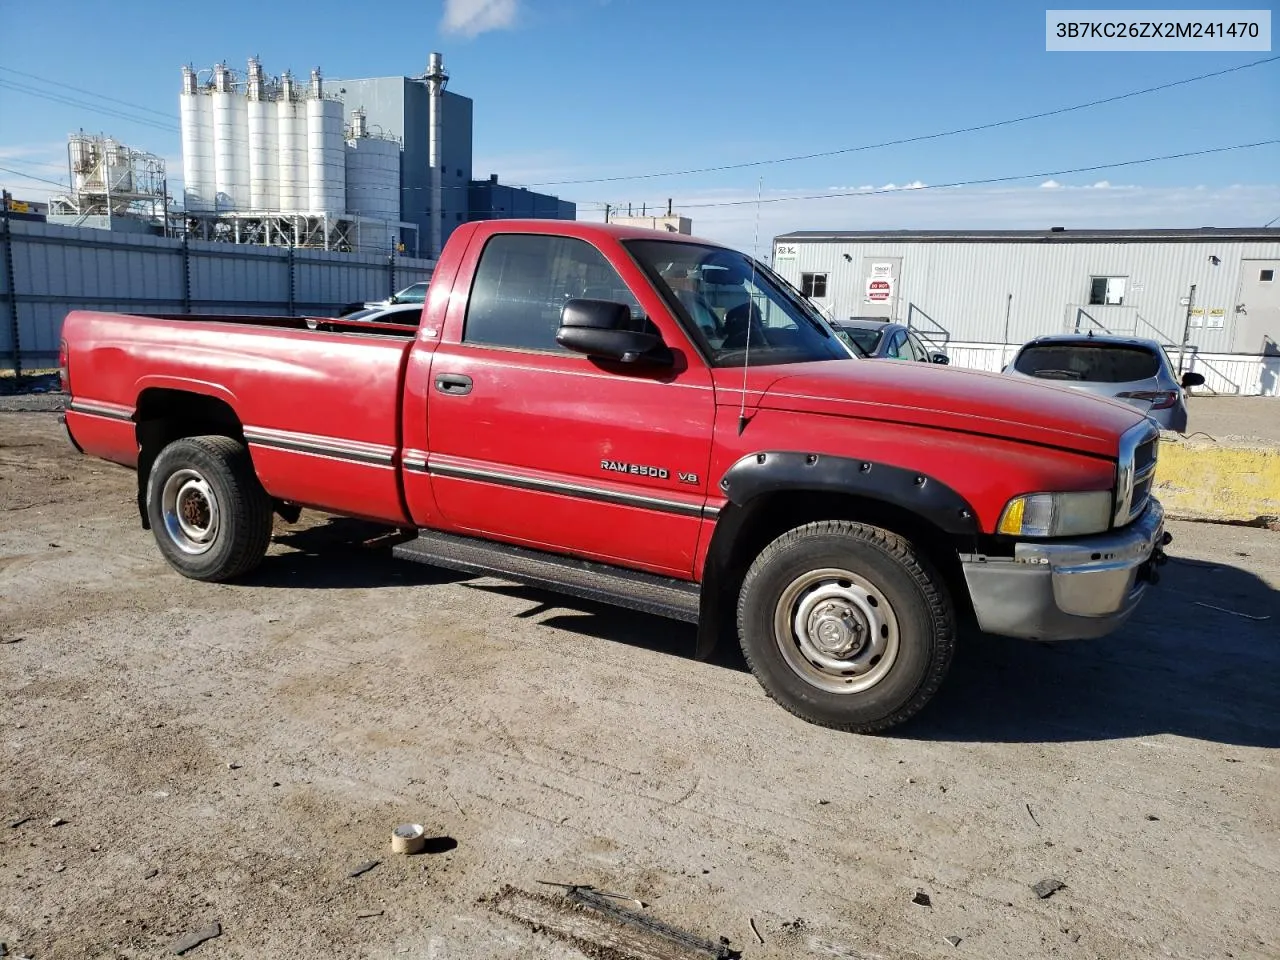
x=1225 y=480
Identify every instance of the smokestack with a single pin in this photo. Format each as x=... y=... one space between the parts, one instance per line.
x=436 y=79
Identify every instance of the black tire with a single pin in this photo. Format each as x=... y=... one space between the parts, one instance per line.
x=210 y=515
x=848 y=585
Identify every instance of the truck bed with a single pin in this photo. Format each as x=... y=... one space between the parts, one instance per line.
x=299 y=396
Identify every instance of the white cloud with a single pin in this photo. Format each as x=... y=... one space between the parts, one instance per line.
x=470 y=18
x=1102 y=185
x=1050 y=185
x=915 y=185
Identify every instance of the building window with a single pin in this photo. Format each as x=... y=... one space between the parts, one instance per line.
x=1266 y=276
x=1106 y=291
x=813 y=284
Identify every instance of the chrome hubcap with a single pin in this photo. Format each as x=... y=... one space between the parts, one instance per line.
x=836 y=630
x=190 y=511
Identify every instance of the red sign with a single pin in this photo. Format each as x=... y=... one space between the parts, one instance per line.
x=878 y=291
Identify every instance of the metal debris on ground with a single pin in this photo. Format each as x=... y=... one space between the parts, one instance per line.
x=1047 y=887
x=1152 y=816
x=954 y=941
x=153 y=872
x=922 y=898
x=368 y=914
x=1234 y=613
x=15 y=824
x=363 y=868
x=12 y=639
x=57 y=822
x=1032 y=815
x=752 y=921
x=591 y=923
x=193 y=940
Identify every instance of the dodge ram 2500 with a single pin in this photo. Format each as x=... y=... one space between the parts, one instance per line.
x=653 y=421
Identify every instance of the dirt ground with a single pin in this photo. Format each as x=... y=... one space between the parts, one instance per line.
x=232 y=753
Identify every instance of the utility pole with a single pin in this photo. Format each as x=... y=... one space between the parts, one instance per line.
x=1186 y=328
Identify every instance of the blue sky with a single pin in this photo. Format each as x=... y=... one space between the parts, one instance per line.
x=578 y=89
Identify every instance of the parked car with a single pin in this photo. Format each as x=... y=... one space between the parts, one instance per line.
x=880 y=339
x=414 y=293
x=842 y=516
x=1134 y=370
x=406 y=314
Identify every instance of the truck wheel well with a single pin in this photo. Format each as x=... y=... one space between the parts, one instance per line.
x=163 y=416
x=743 y=531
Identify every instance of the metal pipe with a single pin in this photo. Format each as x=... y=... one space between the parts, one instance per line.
x=436 y=79
x=1186 y=329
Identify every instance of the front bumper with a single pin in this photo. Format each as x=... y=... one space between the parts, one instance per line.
x=1077 y=590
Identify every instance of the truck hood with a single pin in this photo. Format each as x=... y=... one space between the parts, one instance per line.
x=967 y=401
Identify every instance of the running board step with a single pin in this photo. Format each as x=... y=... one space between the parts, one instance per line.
x=646 y=592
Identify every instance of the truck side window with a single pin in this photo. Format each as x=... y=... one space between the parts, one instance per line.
x=522 y=283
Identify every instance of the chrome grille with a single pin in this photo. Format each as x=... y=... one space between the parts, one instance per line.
x=1135 y=471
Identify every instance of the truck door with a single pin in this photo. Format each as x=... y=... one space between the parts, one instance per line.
x=535 y=445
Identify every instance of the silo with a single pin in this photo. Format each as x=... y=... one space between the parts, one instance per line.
x=197 y=144
x=326 y=156
x=291 y=136
x=230 y=143
x=373 y=174
x=264 y=193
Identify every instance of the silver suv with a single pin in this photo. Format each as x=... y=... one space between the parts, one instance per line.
x=1125 y=368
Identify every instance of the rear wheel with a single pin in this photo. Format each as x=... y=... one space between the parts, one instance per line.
x=210 y=515
x=845 y=625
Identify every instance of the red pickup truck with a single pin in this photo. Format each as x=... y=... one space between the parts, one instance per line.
x=653 y=421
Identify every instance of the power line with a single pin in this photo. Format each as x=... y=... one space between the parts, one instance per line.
x=27 y=176
x=985 y=181
x=100 y=96
x=1270 y=222
x=917 y=139
x=93 y=108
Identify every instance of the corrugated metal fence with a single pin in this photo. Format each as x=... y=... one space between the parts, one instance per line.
x=48 y=270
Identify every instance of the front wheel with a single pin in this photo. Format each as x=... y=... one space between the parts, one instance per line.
x=210 y=515
x=845 y=625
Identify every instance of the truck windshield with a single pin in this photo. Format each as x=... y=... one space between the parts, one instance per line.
x=728 y=301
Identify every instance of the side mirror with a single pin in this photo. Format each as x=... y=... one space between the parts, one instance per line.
x=598 y=328
x=939 y=358
x=1190 y=380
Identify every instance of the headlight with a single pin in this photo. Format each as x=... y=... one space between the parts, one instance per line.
x=1057 y=514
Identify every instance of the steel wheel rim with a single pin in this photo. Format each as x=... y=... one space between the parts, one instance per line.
x=190 y=511
x=836 y=630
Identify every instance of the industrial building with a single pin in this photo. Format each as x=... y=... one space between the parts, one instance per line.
x=1216 y=289
x=113 y=187
x=491 y=200
x=376 y=165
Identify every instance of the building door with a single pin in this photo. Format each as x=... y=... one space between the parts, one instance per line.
x=877 y=290
x=1258 y=308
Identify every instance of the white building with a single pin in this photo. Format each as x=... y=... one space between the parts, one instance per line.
x=981 y=293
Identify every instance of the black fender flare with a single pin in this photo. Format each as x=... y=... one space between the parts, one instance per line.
x=774 y=471
x=912 y=490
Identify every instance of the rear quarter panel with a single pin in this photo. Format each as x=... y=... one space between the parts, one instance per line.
x=320 y=410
